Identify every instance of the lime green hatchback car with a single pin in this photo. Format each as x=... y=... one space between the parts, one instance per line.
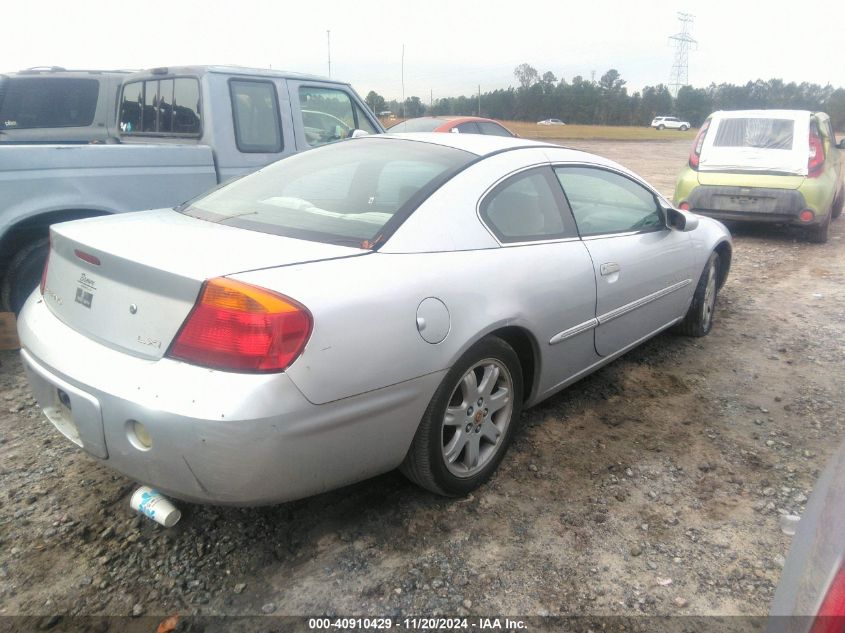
x=777 y=166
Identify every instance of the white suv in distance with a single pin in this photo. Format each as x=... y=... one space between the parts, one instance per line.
x=671 y=122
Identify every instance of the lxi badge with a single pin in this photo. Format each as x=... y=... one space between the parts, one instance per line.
x=84 y=297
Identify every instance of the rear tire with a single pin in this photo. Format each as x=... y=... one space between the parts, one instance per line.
x=820 y=233
x=23 y=274
x=467 y=427
x=838 y=204
x=699 y=319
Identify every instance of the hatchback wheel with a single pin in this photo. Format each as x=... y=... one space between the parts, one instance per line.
x=820 y=233
x=468 y=424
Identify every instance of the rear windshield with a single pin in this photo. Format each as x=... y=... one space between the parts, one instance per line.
x=761 y=133
x=417 y=125
x=342 y=193
x=41 y=102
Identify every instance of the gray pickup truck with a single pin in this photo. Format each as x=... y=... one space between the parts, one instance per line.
x=55 y=105
x=179 y=132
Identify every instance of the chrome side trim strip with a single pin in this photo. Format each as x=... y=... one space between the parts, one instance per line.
x=639 y=303
x=573 y=331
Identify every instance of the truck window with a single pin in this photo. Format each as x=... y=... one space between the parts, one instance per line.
x=255 y=110
x=39 y=102
x=330 y=115
x=168 y=106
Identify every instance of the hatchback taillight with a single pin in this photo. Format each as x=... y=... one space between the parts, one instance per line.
x=816 y=160
x=831 y=615
x=697 y=144
x=236 y=326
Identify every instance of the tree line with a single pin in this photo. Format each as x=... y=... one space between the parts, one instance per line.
x=607 y=101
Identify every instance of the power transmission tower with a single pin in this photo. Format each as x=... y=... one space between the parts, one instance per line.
x=683 y=42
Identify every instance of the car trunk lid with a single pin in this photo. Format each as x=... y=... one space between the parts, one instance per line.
x=130 y=280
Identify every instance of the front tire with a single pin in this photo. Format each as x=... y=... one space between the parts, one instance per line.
x=661 y=127
x=23 y=274
x=699 y=319
x=684 y=128
x=467 y=427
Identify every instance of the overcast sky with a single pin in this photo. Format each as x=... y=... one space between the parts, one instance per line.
x=450 y=47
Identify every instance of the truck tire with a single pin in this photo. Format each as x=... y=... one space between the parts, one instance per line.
x=23 y=274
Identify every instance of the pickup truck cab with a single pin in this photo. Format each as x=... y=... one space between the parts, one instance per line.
x=54 y=105
x=180 y=131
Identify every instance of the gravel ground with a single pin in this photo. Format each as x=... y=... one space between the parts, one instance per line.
x=654 y=486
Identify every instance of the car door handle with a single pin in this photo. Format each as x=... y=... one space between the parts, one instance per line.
x=610 y=268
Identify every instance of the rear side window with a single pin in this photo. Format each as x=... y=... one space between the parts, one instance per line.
x=467 y=128
x=524 y=208
x=255 y=109
x=761 y=133
x=330 y=115
x=168 y=106
x=41 y=102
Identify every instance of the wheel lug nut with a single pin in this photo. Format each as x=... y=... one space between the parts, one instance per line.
x=469 y=428
x=480 y=401
x=470 y=410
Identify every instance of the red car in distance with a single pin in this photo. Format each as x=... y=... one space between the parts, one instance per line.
x=456 y=124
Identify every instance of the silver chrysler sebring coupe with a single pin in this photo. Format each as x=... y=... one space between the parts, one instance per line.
x=381 y=302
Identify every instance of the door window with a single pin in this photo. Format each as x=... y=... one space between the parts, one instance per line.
x=605 y=202
x=330 y=115
x=467 y=128
x=524 y=208
x=256 y=115
x=493 y=129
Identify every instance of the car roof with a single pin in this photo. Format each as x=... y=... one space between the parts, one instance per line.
x=233 y=70
x=41 y=71
x=484 y=145
x=761 y=114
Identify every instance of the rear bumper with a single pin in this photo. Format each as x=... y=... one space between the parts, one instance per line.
x=749 y=204
x=217 y=437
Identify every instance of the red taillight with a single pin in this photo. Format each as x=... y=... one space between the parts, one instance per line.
x=697 y=144
x=806 y=215
x=831 y=615
x=816 y=160
x=684 y=206
x=239 y=327
x=46 y=266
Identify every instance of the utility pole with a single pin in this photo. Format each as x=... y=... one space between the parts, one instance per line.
x=683 y=42
x=329 y=46
x=403 y=81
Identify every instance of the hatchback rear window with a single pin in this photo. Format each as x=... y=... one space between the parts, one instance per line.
x=39 y=102
x=761 y=133
x=346 y=193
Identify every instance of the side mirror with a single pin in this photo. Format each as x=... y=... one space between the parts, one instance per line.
x=841 y=144
x=358 y=133
x=681 y=220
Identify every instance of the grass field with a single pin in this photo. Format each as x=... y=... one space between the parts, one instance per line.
x=596 y=132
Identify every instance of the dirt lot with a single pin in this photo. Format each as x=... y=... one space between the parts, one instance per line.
x=654 y=486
